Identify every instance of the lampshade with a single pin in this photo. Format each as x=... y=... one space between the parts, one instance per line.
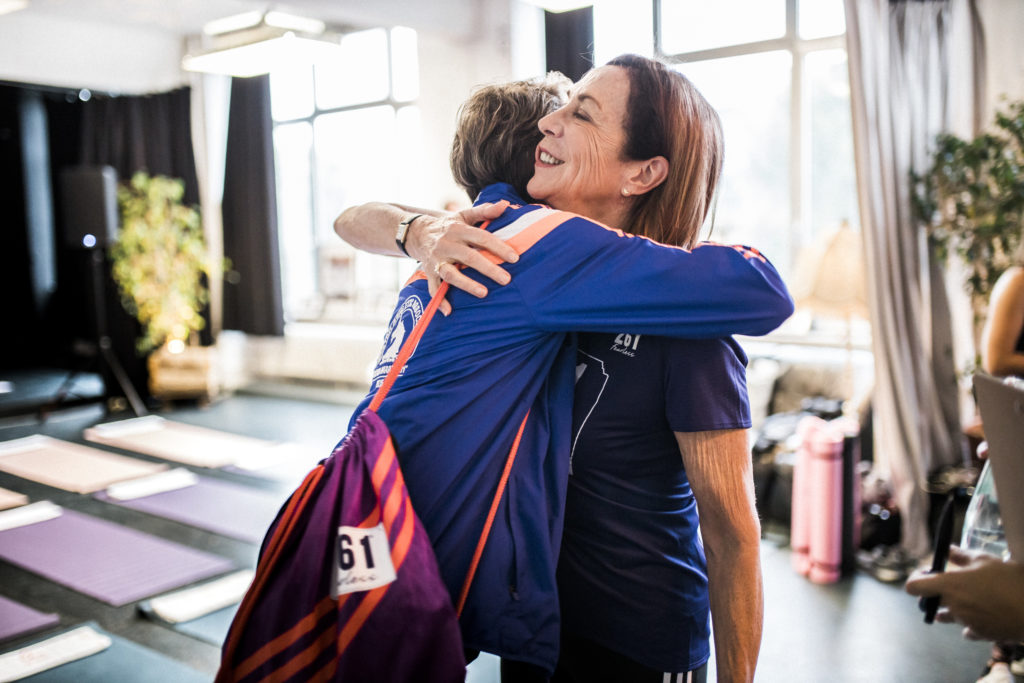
x=830 y=278
x=251 y=44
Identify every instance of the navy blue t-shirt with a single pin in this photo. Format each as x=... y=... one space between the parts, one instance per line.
x=632 y=574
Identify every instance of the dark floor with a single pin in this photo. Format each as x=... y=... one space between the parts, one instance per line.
x=856 y=630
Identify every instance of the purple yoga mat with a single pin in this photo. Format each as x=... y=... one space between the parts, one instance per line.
x=16 y=619
x=105 y=560
x=221 y=507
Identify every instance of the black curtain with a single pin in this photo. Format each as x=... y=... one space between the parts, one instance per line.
x=21 y=316
x=569 y=38
x=252 y=291
x=151 y=133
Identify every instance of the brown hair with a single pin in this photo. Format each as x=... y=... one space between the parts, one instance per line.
x=667 y=116
x=496 y=132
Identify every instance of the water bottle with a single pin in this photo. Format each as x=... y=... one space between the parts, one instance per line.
x=983 y=527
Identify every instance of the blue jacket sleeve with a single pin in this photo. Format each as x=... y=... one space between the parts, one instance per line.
x=584 y=277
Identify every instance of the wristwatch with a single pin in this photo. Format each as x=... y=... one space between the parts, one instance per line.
x=403 y=232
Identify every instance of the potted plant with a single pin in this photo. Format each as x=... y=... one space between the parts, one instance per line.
x=971 y=201
x=160 y=263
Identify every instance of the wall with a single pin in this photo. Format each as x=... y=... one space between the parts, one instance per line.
x=80 y=54
x=1003 y=24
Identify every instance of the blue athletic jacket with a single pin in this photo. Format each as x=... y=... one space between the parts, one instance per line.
x=455 y=410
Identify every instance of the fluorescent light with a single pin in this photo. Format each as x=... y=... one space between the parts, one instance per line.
x=293 y=22
x=559 y=5
x=250 y=44
x=235 y=22
x=8 y=6
x=262 y=57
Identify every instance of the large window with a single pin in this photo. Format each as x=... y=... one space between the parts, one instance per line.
x=776 y=72
x=344 y=133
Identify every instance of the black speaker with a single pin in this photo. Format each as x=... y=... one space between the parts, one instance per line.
x=88 y=206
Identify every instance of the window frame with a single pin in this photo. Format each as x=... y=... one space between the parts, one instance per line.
x=799 y=133
x=396 y=104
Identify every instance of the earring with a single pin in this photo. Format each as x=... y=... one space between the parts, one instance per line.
x=625 y=192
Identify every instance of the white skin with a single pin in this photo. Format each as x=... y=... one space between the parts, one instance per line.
x=1003 y=326
x=979 y=591
x=580 y=167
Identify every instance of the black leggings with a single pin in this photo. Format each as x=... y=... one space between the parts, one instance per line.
x=584 y=660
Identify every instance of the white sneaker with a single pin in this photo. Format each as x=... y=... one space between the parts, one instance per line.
x=1017 y=667
x=999 y=673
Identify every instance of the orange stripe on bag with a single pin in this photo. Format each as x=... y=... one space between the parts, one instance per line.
x=303 y=659
x=398 y=554
x=385 y=459
x=303 y=626
x=360 y=615
x=288 y=519
x=285 y=640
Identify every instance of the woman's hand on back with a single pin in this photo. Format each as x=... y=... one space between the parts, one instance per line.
x=445 y=244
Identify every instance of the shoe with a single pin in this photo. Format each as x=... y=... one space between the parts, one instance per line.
x=999 y=672
x=888 y=564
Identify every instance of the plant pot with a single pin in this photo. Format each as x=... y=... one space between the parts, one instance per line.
x=191 y=373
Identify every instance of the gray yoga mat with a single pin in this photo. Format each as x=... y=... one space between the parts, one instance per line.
x=224 y=508
x=122 y=661
x=212 y=628
x=105 y=560
x=17 y=619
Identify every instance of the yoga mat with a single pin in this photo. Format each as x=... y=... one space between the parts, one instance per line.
x=11 y=499
x=119 y=660
x=188 y=444
x=204 y=611
x=104 y=560
x=69 y=466
x=222 y=507
x=16 y=619
x=213 y=628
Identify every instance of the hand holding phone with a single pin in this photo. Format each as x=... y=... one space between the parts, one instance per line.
x=943 y=535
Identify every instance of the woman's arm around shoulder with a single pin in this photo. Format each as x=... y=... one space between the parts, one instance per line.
x=441 y=242
x=719 y=468
x=1004 y=325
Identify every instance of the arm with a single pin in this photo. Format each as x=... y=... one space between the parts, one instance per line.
x=980 y=591
x=719 y=468
x=1003 y=326
x=587 y=277
x=437 y=240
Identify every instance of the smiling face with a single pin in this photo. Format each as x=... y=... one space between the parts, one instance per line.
x=579 y=165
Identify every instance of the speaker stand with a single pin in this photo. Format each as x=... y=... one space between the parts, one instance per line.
x=101 y=351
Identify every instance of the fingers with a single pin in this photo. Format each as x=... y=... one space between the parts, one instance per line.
x=433 y=284
x=483 y=212
x=959 y=557
x=451 y=274
x=922 y=583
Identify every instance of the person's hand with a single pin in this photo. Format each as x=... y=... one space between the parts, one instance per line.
x=444 y=244
x=979 y=591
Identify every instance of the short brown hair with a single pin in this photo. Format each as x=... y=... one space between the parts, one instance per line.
x=667 y=116
x=496 y=132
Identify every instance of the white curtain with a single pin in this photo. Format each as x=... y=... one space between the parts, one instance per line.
x=209 y=117
x=913 y=74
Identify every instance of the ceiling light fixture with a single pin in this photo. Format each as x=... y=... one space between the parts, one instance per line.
x=255 y=43
x=8 y=6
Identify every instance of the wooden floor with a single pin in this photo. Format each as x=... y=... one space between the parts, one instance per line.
x=856 y=630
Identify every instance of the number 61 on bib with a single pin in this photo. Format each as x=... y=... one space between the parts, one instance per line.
x=362 y=560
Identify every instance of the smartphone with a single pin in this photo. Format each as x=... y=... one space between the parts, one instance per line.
x=943 y=535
